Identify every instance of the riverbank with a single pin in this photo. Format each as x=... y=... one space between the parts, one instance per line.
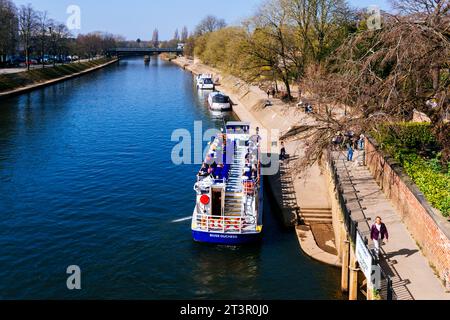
x=303 y=199
x=18 y=83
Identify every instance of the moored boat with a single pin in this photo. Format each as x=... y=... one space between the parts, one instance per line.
x=205 y=82
x=229 y=189
x=218 y=101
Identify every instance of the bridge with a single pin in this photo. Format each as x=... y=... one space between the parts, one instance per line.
x=143 y=51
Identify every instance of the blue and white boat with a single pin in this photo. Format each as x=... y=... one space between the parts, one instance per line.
x=229 y=189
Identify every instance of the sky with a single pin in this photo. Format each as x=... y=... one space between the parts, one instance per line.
x=135 y=19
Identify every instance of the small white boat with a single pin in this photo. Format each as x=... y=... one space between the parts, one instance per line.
x=205 y=82
x=219 y=102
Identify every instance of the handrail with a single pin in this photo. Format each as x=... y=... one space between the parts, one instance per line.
x=352 y=226
x=224 y=224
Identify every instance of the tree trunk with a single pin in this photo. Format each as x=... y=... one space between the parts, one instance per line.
x=288 y=87
x=436 y=78
x=27 y=57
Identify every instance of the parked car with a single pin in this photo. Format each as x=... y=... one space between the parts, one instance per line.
x=31 y=62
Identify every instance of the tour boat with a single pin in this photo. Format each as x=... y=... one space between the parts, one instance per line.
x=229 y=189
x=205 y=82
x=219 y=102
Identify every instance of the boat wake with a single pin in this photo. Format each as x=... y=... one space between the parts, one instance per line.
x=181 y=220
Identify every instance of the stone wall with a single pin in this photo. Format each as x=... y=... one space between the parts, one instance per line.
x=428 y=227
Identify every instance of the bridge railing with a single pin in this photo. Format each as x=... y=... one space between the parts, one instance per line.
x=145 y=50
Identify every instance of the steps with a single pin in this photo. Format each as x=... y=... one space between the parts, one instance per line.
x=234 y=197
x=316 y=215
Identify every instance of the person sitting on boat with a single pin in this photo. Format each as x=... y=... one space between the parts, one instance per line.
x=204 y=171
x=254 y=173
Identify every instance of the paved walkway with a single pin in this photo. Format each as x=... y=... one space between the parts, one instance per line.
x=413 y=278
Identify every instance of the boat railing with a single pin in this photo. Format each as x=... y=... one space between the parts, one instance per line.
x=224 y=224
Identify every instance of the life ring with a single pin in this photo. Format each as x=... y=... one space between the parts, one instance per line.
x=215 y=224
x=204 y=223
x=233 y=224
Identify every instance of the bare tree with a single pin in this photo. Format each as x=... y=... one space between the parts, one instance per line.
x=274 y=36
x=43 y=33
x=384 y=76
x=210 y=24
x=176 y=35
x=9 y=29
x=155 y=38
x=28 y=23
x=184 y=34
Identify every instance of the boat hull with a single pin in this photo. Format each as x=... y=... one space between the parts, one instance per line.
x=226 y=239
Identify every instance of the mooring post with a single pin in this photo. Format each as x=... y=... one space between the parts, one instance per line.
x=354 y=270
x=345 y=249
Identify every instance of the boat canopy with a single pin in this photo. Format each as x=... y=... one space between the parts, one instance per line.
x=220 y=98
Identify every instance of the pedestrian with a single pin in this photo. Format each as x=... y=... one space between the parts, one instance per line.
x=273 y=93
x=378 y=234
x=283 y=152
x=361 y=142
x=350 y=152
x=268 y=93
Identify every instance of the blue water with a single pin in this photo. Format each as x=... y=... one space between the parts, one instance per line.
x=86 y=179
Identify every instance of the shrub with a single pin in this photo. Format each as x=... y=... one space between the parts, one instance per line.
x=416 y=150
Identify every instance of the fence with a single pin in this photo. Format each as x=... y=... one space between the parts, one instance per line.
x=352 y=230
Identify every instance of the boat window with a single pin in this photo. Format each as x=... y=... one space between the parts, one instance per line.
x=207 y=81
x=221 y=99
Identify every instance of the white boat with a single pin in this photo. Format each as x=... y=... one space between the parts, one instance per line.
x=219 y=102
x=229 y=190
x=205 y=82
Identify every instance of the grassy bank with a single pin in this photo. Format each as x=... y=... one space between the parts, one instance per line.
x=19 y=80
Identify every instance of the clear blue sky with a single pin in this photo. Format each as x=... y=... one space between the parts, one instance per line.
x=137 y=18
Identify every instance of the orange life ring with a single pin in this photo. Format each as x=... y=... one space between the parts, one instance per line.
x=203 y=223
x=215 y=224
x=233 y=223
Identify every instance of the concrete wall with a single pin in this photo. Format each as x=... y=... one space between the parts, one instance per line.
x=427 y=226
x=340 y=233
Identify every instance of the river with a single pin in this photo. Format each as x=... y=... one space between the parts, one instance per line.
x=86 y=179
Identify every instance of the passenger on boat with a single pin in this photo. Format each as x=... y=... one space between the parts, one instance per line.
x=204 y=171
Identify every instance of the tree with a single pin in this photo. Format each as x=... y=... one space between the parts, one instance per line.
x=155 y=38
x=209 y=24
x=59 y=35
x=43 y=33
x=9 y=29
x=176 y=36
x=28 y=24
x=321 y=25
x=383 y=78
x=184 y=34
x=273 y=42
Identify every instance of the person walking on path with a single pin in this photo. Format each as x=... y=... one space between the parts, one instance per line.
x=361 y=142
x=283 y=154
x=378 y=234
x=268 y=93
x=350 y=152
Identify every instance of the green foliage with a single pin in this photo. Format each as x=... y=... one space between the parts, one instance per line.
x=220 y=48
x=415 y=148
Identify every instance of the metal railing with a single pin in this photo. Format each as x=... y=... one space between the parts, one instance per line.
x=352 y=228
x=224 y=224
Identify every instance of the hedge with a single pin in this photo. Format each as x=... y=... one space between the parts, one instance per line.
x=415 y=148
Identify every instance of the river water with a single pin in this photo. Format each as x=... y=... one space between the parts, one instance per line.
x=86 y=179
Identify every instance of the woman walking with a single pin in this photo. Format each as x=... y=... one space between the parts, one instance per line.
x=378 y=234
